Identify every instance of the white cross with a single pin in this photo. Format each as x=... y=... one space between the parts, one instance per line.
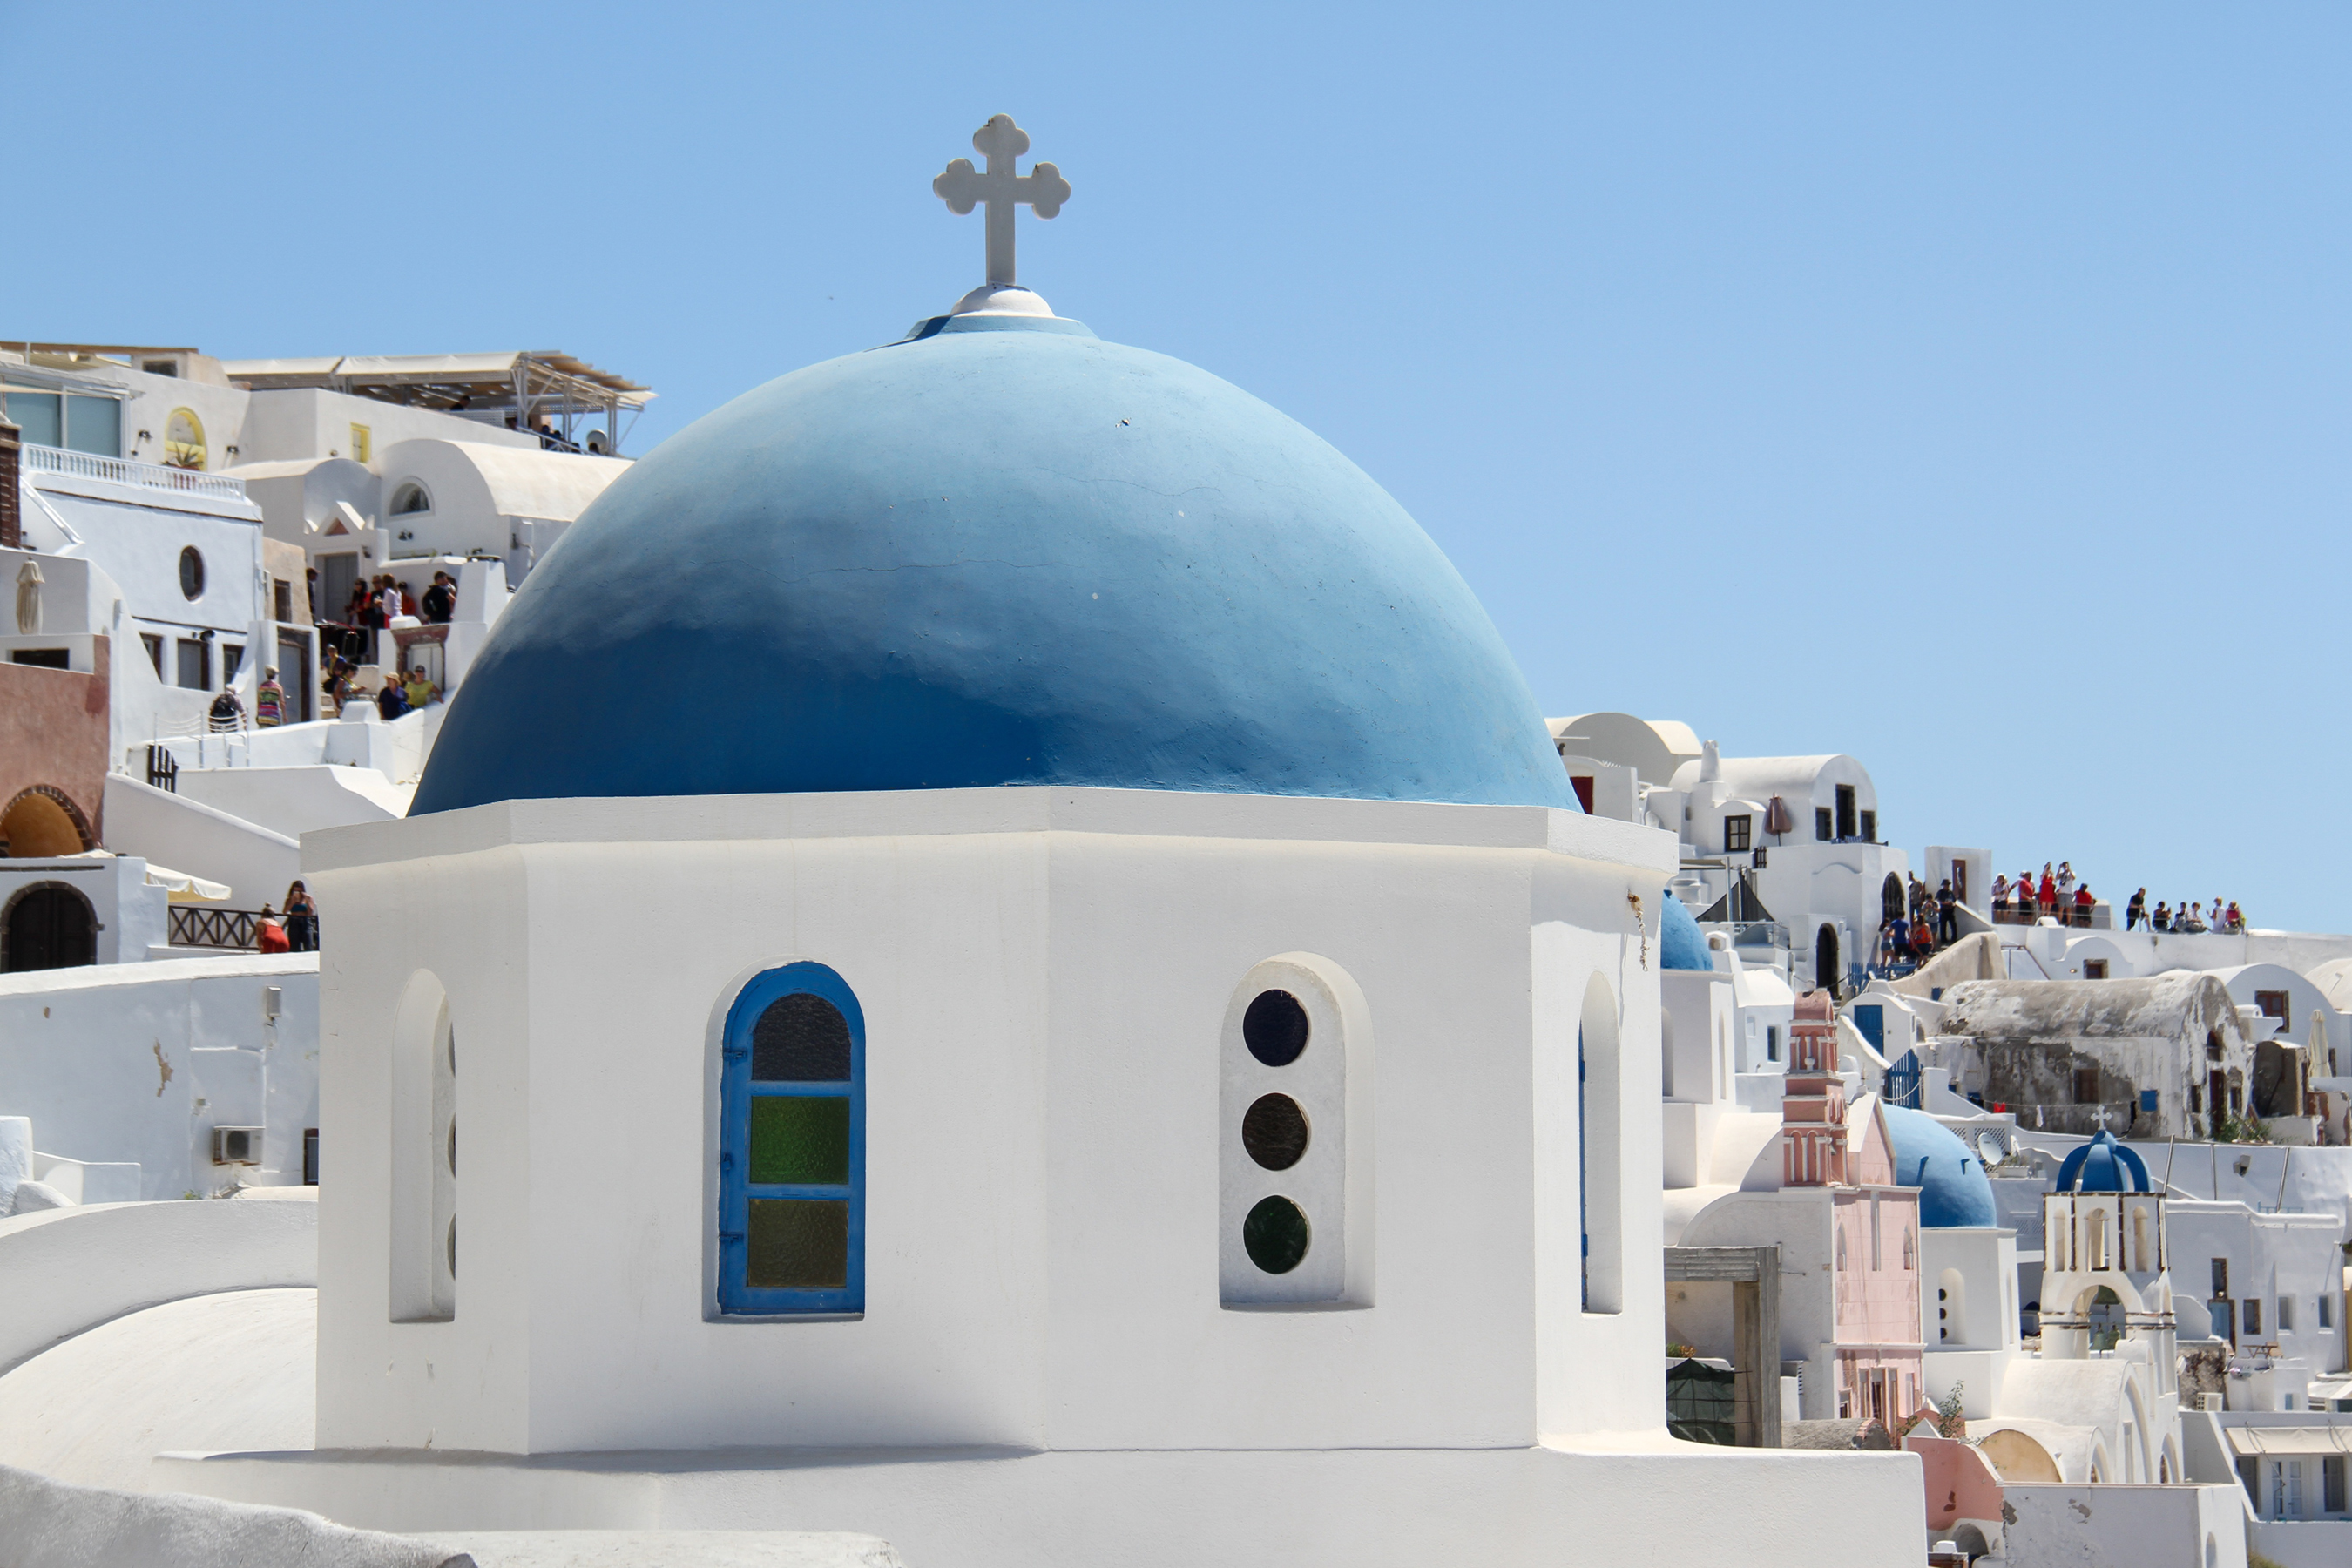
x=963 y=187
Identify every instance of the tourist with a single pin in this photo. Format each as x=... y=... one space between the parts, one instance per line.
x=393 y=701
x=2084 y=903
x=335 y=685
x=2025 y=901
x=227 y=713
x=388 y=600
x=1885 y=945
x=420 y=690
x=2137 y=911
x=2195 y=923
x=2065 y=881
x=1999 y=897
x=269 y=936
x=2162 y=919
x=2050 y=891
x=440 y=600
x=269 y=701
x=407 y=602
x=1923 y=941
x=301 y=918
x=1947 y=917
x=1899 y=940
x=2237 y=920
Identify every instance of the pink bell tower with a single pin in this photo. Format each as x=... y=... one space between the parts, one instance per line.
x=1812 y=1111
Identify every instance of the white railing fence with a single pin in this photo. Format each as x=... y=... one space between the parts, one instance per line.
x=123 y=471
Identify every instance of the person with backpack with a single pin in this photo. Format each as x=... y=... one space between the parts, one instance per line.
x=440 y=600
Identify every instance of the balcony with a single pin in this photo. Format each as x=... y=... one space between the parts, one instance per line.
x=123 y=471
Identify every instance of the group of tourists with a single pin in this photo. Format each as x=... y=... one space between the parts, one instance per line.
x=2059 y=894
x=383 y=599
x=294 y=931
x=2188 y=919
x=227 y=714
x=1912 y=934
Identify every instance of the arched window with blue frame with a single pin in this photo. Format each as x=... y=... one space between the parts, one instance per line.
x=792 y=1148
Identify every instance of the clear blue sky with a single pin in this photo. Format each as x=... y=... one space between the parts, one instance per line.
x=1963 y=387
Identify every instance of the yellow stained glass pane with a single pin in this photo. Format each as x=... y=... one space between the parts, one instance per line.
x=797 y=1244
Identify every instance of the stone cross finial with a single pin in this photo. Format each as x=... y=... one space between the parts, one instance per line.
x=963 y=187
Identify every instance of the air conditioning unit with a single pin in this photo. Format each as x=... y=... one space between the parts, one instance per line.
x=2208 y=1401
x=236 y=1145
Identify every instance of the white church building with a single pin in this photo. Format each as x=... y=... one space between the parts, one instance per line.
x=1060 y=1008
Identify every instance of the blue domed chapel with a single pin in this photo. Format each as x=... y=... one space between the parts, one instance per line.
x=995 y=922
x=999 y=551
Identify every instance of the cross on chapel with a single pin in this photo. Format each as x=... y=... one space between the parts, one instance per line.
x=962 y=187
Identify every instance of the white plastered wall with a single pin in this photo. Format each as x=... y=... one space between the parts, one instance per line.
x=1044 y=975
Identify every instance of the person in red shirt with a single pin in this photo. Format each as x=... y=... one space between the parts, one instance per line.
x=269 y=936
x=2049 y=889
x=2083 y=902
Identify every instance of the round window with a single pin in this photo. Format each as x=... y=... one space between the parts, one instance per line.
x=1275 y=1235
x=1275 y=1029
x=1274 y=1131
x=409 y=498
x=192 y=572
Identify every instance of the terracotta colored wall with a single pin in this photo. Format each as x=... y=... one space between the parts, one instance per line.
x=53 y=732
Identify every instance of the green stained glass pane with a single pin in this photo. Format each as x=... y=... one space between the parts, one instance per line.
x=797 y=1244
x=799 y=1139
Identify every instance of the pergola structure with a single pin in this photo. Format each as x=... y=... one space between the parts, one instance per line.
x=522 y=390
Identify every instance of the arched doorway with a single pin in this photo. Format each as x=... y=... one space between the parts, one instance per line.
x=40 y=824
x=1826 y=974
x=48 y=926
x=1892 y=902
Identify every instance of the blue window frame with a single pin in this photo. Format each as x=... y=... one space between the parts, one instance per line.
x=791 y=1147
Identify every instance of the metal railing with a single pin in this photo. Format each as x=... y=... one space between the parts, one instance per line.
x=162 y=769
x=193 y=926
x=124 y=471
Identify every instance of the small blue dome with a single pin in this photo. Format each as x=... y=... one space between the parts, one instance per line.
x=1002 y=551
x=1954 y=1192
x=2102 y=1165
x=1680 y=944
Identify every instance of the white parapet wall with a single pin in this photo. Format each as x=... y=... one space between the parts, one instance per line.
x=70 y=1269
x=137 y=1063
x=2178 y=1526
x=188 y=836
x=298 y=800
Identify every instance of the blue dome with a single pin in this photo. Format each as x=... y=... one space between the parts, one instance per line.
x=1954 y=1192
x=2102 y=1165
x=1680 y=944
x=1004 y=552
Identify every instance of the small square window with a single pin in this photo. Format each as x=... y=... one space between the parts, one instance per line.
x=1735 y=833
x=2253 y=1308
x=2095 y=969
x=1822 y=829
x=2286 y=1314
x=1870 y=826
x=2086 y=1086
x=2327 y=1310
x=1772 y=1042
x=155 y=646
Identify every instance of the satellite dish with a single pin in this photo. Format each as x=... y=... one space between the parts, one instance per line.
x=1990 y=1147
